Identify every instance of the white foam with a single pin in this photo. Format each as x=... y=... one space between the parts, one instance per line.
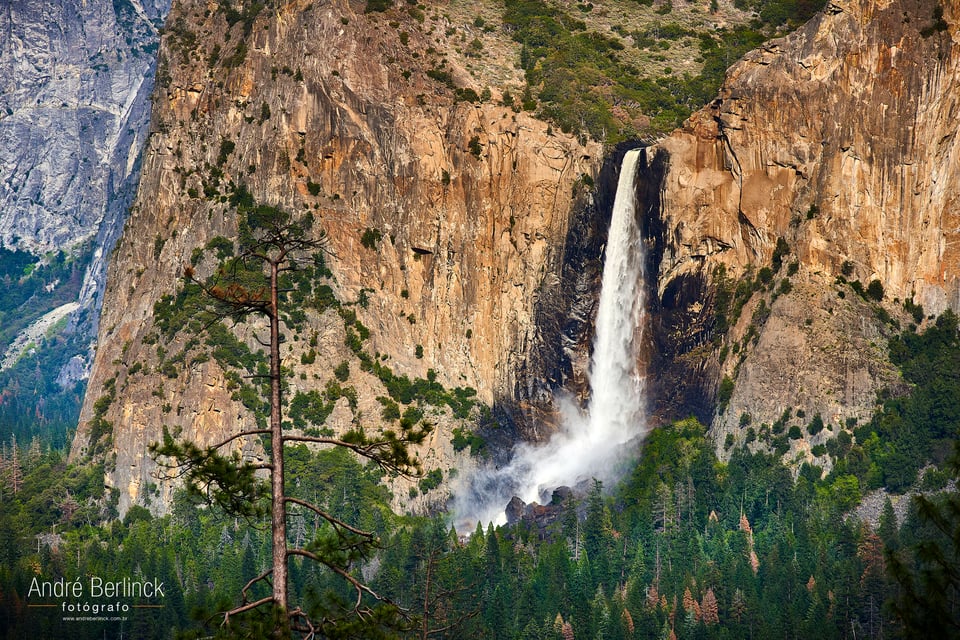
x=587 y=445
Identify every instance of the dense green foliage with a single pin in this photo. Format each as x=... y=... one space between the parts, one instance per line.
x=924 y=560
x=705 y=549
x=404 y=390
x=577 y=79
x=685 y=544
x=32 y=287
x=201 y=556
x=32 y=402
x=911 y=429
x=779 y=12
x=566 y=65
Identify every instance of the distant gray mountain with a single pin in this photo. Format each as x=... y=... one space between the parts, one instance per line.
x=75 y=84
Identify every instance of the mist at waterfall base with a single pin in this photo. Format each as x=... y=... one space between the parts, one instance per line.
x=596 y=442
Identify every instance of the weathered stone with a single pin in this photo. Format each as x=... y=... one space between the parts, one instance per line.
x=75 y=84
x=514 y=510
x=537 y=516
x=841 y=139
x=472 y=203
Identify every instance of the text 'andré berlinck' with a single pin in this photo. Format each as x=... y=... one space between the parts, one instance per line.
x=96 y=587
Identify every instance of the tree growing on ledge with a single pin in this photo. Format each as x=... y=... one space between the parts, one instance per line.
x=254 y=280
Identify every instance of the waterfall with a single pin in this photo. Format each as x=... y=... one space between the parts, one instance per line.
x=587 y=445
x=616 y=387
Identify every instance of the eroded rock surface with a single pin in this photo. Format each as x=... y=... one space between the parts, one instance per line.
x=75 y=84
x=841 y=139
x=465 y=207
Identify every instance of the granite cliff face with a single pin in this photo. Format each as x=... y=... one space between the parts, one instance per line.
x=75 y=84
x=461 y=234
x=446 y=218
x=840 y=140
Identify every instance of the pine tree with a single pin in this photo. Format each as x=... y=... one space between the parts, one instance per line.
x=751 y=554
x=664 y=508
x=33 y=451
x=653 y=596
x=68 y=507
x=628 y=621
x=16 y=469
x=601 y=615
x=887 y=529
x=815 y=616
x=688 y=601
x=597 y=535
x=445 y=599
x=927 y=574
x=580 y=595
x=709 y=610
x=273 y=245
x=738 y=605
x=494 y=563
x=666 y=633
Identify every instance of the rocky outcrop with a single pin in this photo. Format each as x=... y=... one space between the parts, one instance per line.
x=75 y=84
x=445 y=219
x=539 y=517
x=841 y=140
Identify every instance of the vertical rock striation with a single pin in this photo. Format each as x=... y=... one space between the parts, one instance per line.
x=840 y=139
x=446 y=217
x=464 y=236
x=75 y=84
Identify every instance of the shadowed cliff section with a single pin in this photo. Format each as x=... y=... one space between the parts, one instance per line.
x=680 y=382
x=566 y=305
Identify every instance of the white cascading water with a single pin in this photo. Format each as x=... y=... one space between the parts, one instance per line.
x=587 y=445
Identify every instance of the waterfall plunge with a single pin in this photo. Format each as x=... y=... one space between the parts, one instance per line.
x=587 y=445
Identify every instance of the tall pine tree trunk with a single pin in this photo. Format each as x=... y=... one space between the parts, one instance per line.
x=279 y=507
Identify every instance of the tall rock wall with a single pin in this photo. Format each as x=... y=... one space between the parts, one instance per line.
x=840 y=139
x=462 y=235
x=447 y=218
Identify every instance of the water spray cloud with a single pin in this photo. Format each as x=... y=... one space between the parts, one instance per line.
x=587 y=444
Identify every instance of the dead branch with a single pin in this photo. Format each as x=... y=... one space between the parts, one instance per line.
x=371 y=451
x=253 y=581
x=252 y=432
x=329 y=518
x=242 y=608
